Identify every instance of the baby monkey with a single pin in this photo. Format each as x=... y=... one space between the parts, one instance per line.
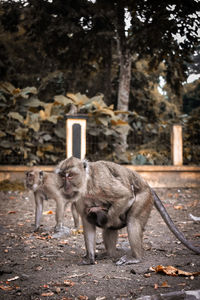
x=98 y=216
x=44 y=187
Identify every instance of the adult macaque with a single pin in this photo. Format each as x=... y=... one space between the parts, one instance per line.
x=127 y=198
x=43 y=185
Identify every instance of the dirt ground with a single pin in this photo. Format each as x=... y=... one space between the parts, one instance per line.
x=37 y=266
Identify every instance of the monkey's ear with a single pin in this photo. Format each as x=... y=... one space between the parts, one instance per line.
x=57 y=170
x=85 y=164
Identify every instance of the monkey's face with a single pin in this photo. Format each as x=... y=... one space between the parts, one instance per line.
x=71 y=175
x=33 y=179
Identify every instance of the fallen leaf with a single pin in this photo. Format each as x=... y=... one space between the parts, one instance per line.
x=155 y=286
x=147 y=275
x=40 y=237
x=69 y=283
x=76 y=232
x=16 y=91
x=12 y=212
x=12 y=279
x=49 y=294
x=182 y=284
x=83 y=297
x=165 y=284
x=123 y=235
x=49 y=212
x=58 y=289
x=65 y=242
x=6 y=288
x=46 y=286
x=196 y=235
x=178 y=207
x=172 y=271
x=193 y=203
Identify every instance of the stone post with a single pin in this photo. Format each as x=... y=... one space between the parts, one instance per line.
x=177 y=145
x=76 y=136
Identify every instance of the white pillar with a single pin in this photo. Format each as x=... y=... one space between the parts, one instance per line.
x=177 y=145
x=76 y=136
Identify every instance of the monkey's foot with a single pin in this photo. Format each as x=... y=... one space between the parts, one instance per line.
x=86 y=261
x=101 y=256
x=62 y=232
x=125 y=260
x=36 y=229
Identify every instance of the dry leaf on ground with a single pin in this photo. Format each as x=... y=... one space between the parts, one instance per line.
x=172 y=271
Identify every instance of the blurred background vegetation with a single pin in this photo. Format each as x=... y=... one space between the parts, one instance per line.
x=124 y=63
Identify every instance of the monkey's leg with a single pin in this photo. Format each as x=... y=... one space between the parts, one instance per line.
x=135 y=240
x=110 y=241
x=116 y=216
x=136 y=221
x=60 y=229
x=75 y=215
x=38 y=209
x=89 y=231
x=59 y=214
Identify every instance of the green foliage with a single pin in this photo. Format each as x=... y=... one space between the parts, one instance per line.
x=33 y=131
x=191 y=137
x=191 y=98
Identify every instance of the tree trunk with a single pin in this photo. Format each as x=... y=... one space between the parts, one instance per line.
x=123 y=100
x=124 y=81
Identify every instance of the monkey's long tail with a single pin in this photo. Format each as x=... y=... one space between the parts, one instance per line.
x=164 y=214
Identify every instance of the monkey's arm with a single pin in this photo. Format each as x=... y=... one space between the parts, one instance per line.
x=60 y=205
x=75 y=215
x=90 y=241
x=38 y=209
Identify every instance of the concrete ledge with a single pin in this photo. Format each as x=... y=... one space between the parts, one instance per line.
x=187 y=295
x=170 y=176
x=156 y=176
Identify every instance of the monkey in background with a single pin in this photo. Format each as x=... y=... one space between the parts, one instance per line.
x=125 y=197
x=43 y=186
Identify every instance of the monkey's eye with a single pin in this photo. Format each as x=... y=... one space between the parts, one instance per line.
x=69 y=176
x=62 y=175
x=30 y=175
